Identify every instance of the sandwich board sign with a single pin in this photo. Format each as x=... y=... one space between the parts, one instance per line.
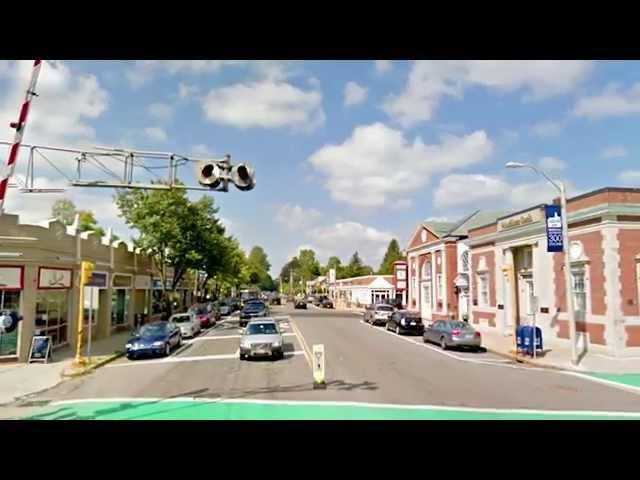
x=40 y=349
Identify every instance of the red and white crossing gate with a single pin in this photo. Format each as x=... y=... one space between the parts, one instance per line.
x=20 y=127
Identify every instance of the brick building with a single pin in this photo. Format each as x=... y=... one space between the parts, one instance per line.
x=513 y=277
x=437 y=277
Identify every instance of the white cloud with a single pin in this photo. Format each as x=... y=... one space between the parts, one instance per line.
x=156 y=133
x=378 y=166
x=354 y=94
x=67 y=102
x=383 y=66
x=547 y=129
x=186 y=91
x=162 y=112
x=438 y=219
x=265 y=104
x=36 y=208
x=611 y=102
x=551 y=163
x=344 y=238
x=295 y=217
x=630 y=177
x=492 y=192
x=201 y=150
x=430 y=80
x=616 y=151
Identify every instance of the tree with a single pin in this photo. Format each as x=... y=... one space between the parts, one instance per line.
x=309 y=267
x=63 y=210
x=174 y=232
x=393 y=255
x=356 y=268
x=259 y=267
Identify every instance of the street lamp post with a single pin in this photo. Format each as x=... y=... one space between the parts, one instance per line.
x=565 y=249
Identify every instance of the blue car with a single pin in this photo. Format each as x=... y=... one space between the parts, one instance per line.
x=157 y=338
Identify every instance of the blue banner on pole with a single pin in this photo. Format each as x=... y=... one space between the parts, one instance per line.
x=553 y=217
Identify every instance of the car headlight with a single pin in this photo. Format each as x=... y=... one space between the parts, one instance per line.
x=129 y=345
x=158 y=344
x=403 y=321
x=276 y=344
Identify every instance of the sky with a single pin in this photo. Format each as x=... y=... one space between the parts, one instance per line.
x=347 y=154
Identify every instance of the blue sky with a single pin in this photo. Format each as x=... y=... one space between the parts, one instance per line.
x=348 y=154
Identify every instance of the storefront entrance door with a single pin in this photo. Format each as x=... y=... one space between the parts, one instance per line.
x=425 y=310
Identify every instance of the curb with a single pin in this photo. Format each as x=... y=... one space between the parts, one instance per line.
x=93 y=367
x=527 y=361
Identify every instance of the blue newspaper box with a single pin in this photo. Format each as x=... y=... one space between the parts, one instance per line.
x=526 y=339
x=538 y=338
x=519 y=337
x=532 y=336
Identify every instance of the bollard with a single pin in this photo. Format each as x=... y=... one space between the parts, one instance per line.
x=318 y=368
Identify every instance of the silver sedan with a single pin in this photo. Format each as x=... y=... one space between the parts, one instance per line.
x=453 y=333
x=188 y=323
x=261 y=338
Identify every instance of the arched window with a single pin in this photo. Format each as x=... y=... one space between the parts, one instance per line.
x=464 y=261
x=426 y=270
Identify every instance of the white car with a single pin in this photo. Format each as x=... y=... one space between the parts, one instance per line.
x=224 y=309
x=188 y=323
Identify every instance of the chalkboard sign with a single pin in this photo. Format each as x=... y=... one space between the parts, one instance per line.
x=40 y=349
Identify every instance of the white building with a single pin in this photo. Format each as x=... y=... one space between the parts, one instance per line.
x=365 y=290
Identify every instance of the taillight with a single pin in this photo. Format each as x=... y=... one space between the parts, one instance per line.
x=455 y=332
x=477 y=334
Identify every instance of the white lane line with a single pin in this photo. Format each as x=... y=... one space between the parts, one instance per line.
x=610 y=383
x=442 y=352
x=347 y=404
x=305 y=347
x=225 y=337
x=188 y=359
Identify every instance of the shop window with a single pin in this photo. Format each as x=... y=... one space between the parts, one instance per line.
x=529 y=296
x=579 y=293
x=483 y=289
x=91 y=305
x=464 y=261
x=9 y=341
x=120 y=306
x=426 y=271
x=52 y=315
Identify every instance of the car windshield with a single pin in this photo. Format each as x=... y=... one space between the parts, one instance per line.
x=261 y=329
x=384 y=308
x=154 y=329
x=254 y=306
x=199 y=310
x=457 y=325
x=181 y=318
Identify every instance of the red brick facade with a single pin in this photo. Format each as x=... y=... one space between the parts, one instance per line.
x=490 y=318
x=490 y=258
x=451 y=254
x=629 y=247
x=633 y=335
x=595 y=331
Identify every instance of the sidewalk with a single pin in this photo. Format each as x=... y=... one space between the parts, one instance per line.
x=20 y=379
x=589 y=362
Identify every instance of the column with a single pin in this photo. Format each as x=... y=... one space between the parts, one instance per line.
x=509 y=290
x=28 y=311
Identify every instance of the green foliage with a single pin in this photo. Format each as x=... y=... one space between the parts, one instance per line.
x=356 y=268
x=63 y=210
x=393 y=254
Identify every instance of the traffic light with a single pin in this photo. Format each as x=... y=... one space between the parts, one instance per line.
x=87 y=271
x=217 y=174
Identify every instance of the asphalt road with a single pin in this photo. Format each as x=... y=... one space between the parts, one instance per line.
x=363 y=364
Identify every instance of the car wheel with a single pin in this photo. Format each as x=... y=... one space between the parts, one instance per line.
x=130 y=357
x=180 y=341
x=443 y=343
x=243 y=356
x=167 y=350
x=397 y=329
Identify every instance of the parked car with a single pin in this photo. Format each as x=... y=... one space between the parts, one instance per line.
x=188 y=323
x=453 y=333
x=403 y=321
x=252 y=310
x=375 y=314
x=156 y=338
x=275 y=299
x=224 y=308
x=326 y=303
x=310 y=299
x=394 y=302
x=261 y=338
x=300 y=303
x=204 y=316
x=214 y=312
x=317 y=299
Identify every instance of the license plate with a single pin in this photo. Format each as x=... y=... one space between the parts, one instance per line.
x=413 y=323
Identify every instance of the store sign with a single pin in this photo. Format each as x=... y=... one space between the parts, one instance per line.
x=122 y=281
x=520 y=220
x=98 y=279
x=553 y=216
x=54 y=278
x=142 y=282
x=11 y=278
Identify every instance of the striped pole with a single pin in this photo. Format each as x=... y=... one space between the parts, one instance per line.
x=19 y=126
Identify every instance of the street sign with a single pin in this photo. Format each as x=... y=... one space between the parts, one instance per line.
x=332 y=275
x=553 y=217
x=318 y=366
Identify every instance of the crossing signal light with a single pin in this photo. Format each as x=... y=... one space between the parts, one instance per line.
x=243 y=177
x=208 y=174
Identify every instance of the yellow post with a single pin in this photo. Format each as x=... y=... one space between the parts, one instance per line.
x=86 y=270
